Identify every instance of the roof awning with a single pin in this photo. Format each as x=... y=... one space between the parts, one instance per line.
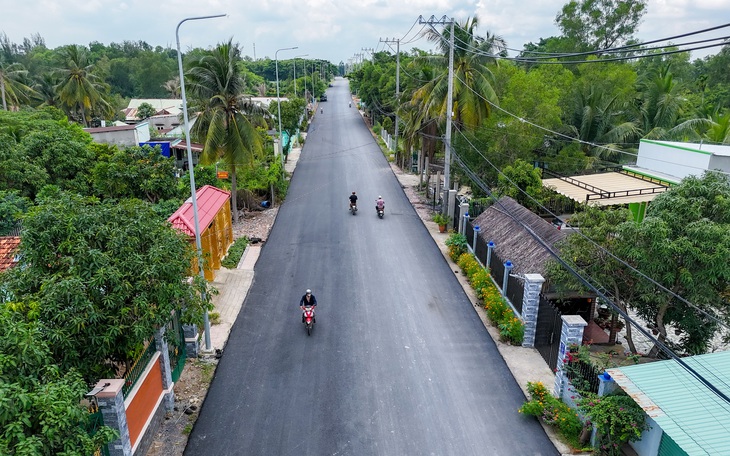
x=605 y=189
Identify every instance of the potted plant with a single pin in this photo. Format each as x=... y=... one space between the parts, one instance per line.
x=441 y=220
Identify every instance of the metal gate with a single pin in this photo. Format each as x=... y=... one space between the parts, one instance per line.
x=547 y=332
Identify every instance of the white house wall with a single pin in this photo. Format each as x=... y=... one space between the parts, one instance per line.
x=675 y=159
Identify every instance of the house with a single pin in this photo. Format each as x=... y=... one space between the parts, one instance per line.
x=659 y=165
x=163 y=107
x=673 y=161
x=8 y=252
x=214 y=222
x=126 y=136
x=686 y=416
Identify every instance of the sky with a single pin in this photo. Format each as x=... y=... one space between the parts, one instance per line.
x=333 y=30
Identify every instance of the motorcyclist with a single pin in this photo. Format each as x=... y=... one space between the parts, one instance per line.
x=349 y=105
x=353 y=200
x=379 y=204
x=307 y=300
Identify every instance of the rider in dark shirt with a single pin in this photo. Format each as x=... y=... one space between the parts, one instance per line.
x=353 y=199
x=307 y=300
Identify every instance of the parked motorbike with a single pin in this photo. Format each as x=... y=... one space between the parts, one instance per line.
x=309 y=319
x=353 y=209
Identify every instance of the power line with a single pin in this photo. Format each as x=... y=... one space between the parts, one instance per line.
x=603 y=249
x=586 y=283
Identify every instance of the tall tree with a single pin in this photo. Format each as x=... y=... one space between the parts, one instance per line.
x=99 y=278
x=684 y=243
x=11 y=86
x=227 y=119
x=600 y=24
x=40 y=404
x=473 y=93
x=661 y=104
x=81 y=92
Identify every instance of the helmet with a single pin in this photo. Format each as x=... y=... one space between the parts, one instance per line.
x=309 y=291
x=353 y=193
x=380 y=197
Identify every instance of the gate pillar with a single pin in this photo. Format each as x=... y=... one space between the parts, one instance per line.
x=530 y=306
x=570 y=334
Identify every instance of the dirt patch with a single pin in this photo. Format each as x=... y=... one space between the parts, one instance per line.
x=190 y=391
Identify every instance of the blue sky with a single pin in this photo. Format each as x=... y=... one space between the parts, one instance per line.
x=329 y=29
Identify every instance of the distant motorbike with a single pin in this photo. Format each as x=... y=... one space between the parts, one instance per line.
x=309 y=319
x=380 y=208
x=349 y=105
x=353 y=208
x=321 y=111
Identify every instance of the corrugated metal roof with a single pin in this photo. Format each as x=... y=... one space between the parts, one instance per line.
x=210 y=199
x=688 y=411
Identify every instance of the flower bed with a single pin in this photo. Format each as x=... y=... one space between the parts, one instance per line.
x=553 y=412
x=511 y=328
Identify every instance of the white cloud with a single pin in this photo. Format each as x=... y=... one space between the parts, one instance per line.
x=329 y=29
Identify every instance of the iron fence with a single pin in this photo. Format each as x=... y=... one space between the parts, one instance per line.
x=515 y=292
x=583 y=376
x=176 y=346
x=131 y=377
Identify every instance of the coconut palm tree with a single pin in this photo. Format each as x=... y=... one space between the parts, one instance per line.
x=12 y=88
x=227 y=119
x=473 y=94
x=45 y=90
x=80 y=91
x=600 y=119
x=173 y=87
x=714 y=127
x=472 y=84
x=662 y=103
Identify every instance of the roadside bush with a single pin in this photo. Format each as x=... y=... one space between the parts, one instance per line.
x=554 y=412
x=457 y=245
x=618 y=418
x=235 y=253
x=511 y=328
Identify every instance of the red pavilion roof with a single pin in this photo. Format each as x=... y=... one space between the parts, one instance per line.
x=210 y=200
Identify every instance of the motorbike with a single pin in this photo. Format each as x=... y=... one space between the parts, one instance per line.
x=380 y=210
x=321 y=111
x=349 y=105
x=353 y=208
x=309 y=319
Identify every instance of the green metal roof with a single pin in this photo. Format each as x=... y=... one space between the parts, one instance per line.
x=689 y=412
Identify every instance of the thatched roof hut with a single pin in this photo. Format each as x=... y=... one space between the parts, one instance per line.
x=512 y=241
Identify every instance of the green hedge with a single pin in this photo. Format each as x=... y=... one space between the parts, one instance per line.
x=235 y=253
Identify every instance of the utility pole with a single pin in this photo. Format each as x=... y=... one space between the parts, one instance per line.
x=449 y=106
x=254 y=51
x=370 y=50
x=397 y=87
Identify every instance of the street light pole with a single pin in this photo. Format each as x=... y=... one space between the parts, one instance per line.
x=278 y=100
x=193 y=196
x=305 y=75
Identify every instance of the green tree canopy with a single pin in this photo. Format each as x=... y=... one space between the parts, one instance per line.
x=98 y=278
x=40 y=403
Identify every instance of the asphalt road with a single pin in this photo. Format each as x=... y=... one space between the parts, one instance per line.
x=399 y=363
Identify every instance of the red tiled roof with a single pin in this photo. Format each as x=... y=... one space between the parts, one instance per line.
x=210 y=200
x=8 y=247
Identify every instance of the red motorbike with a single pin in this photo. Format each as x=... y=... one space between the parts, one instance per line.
x=309 y=319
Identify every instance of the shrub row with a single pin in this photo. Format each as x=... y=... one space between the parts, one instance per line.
x=511 y=328
x=235 y=252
